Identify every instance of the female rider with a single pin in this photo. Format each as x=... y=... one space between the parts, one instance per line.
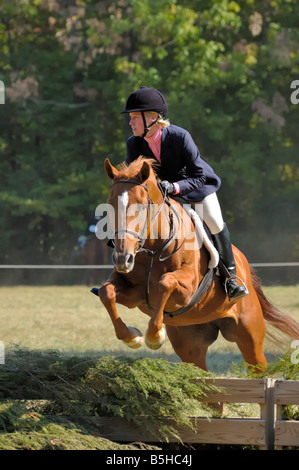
x=182 y=170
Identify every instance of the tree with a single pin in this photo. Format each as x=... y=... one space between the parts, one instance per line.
x=225 y=68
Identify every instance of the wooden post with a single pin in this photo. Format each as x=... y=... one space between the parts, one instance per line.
x=268 y=411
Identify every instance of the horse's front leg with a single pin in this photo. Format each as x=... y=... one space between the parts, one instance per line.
x=155 y=334
x=109 y=294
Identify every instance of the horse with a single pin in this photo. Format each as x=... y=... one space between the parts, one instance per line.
x=158 y=270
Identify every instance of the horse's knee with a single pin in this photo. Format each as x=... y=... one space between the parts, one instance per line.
x=168 y=281
x=107 y=293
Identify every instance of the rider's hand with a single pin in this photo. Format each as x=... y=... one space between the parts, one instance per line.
x=167 y=188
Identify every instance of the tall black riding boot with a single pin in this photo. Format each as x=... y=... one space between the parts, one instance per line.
x=228 y=271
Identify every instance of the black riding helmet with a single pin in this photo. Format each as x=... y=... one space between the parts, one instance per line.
x=146 y=99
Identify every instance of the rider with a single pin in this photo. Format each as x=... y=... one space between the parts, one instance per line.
x=182 y=171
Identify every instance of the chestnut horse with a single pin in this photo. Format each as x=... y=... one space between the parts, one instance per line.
x=160 y=275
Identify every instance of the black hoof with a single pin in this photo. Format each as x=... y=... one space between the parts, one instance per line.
x=94 y=290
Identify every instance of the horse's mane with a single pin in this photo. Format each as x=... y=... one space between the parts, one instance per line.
x=129 y=171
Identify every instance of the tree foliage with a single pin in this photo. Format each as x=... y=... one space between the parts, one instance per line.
x=225 y=68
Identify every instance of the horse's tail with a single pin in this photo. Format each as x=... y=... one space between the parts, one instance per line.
x=272 y=315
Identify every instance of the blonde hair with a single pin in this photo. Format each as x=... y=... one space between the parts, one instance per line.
x=162 y=122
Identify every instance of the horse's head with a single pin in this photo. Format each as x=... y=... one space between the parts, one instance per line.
x=130 y=199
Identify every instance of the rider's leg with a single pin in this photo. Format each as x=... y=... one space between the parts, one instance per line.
x=223 y=245
x=212 y=216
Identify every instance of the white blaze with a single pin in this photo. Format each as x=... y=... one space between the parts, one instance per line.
x=123 y=202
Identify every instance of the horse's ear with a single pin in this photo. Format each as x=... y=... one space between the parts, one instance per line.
x=144 y=171
x=110 y=170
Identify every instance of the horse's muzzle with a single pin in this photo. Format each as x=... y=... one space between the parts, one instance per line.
x=123 y=262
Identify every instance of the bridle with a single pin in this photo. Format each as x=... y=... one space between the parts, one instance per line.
x=141 y=238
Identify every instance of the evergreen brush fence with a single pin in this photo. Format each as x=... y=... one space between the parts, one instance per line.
x=267 y=432
x=125 y=400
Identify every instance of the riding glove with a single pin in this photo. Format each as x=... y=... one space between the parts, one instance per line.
x=167 y=188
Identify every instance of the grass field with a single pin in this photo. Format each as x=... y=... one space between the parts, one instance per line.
x=72 y=320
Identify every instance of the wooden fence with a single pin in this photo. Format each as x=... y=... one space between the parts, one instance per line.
x=268 y=431
x=285 y=392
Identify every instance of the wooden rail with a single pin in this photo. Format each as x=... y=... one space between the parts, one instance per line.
x=268 y=431
x=211 y=430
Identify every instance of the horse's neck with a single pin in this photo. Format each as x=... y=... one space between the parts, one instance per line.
x=163 y=224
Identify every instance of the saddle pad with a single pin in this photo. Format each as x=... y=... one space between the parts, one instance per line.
x=203 y=236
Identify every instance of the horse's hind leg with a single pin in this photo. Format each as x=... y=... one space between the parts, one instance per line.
x=191 y=343
x=248 y=333
x=250 y=344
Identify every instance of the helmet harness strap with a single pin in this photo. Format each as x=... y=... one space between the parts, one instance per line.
x=147 y=128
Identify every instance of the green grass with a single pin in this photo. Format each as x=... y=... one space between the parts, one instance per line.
x=68 y=319
x=72 y=320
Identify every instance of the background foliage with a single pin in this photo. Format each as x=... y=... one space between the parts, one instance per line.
x=225 y=68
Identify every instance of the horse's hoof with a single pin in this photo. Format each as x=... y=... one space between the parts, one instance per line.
x=95 y=290
x=159 y=341
x=137 y=341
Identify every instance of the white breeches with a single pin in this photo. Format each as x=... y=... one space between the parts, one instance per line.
x=210 y=212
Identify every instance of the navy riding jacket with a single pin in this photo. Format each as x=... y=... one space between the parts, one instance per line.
x=180 y=162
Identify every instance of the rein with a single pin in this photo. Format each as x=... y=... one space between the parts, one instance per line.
x=208 y=277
